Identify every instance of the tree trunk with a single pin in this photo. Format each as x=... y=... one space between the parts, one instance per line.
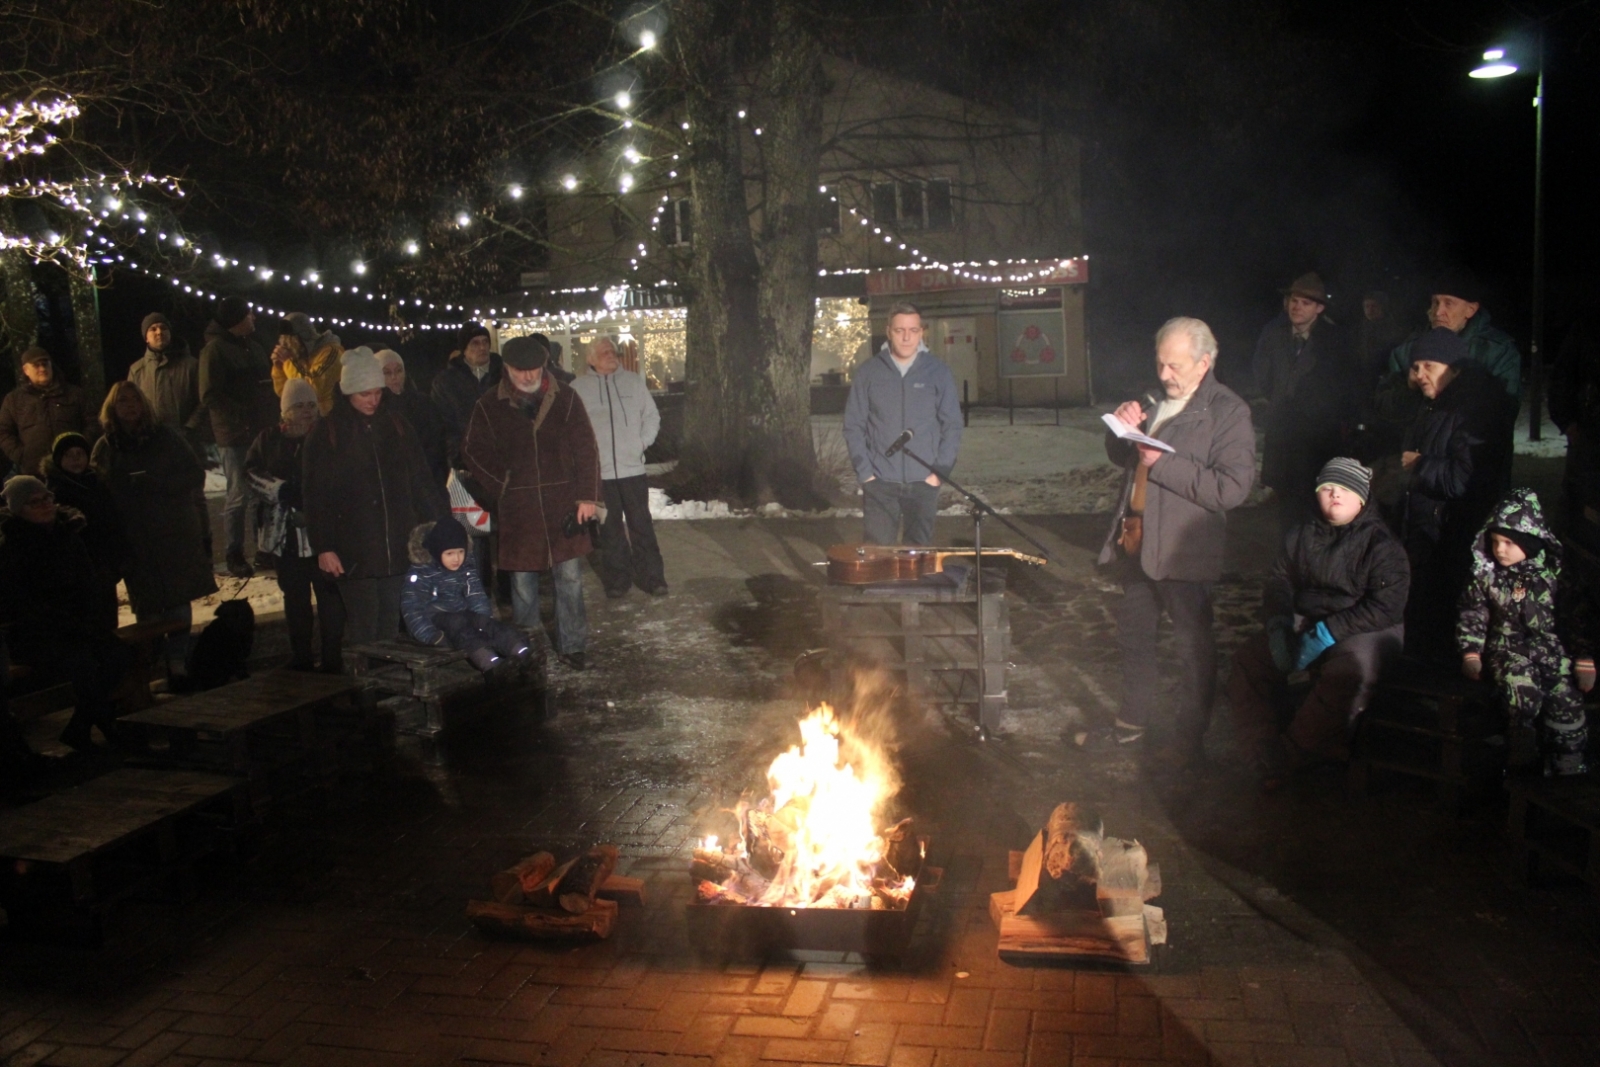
x=19 y=316
x=747 y=426
x=86 y=321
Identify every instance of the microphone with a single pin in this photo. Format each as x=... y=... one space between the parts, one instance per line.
x=899 y=443
x=1149 y=402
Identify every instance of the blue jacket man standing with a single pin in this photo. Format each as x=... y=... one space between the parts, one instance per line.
x=903 y=387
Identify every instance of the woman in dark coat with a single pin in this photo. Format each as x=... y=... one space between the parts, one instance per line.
x=367 y=486
x=67 y=472
x=153 y=476
x=418 y=411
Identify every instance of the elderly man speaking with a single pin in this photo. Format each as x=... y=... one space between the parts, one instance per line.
x=1166 y=540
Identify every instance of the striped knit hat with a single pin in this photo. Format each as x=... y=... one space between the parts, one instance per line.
x=1346 y=473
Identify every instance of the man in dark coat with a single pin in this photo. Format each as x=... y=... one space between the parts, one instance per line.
x=1167 y=536
x=366 y=486
x=39 y=410
x=47 y=599
x=236 y=389
x=532 y=449
x=1335 y=604
x=469 y=375
x=1454 y=464
x=1302 y=368
x=169 y=378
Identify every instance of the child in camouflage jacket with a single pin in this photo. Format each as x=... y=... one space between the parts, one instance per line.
x=1517 y=614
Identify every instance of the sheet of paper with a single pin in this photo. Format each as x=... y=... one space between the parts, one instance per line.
x=1127 y=433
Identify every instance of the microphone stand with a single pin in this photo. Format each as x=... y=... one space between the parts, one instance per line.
x=980 y=508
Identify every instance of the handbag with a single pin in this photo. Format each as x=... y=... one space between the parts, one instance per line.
x=471 y=514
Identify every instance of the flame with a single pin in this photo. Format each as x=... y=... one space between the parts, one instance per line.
x=815 y=837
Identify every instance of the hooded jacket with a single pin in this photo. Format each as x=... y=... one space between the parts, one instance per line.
x=1462 y=461
x=883 y=403
x=1192 y=489
x=321 y=368
x=366 y=486
x=432 y=587
x=536 y=462
x=624 y=417
x=235 y=387
x=1526 y=609
x=88 y=495
x=154 y=481
x=32 y=417
x=455 y=393
x=48 y=593
x=1355 y=577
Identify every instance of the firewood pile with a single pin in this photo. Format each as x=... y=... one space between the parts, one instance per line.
x=1079 y=895
x=539 y=899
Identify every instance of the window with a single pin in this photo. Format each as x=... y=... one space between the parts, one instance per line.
x=677 y=222
x=914 y=205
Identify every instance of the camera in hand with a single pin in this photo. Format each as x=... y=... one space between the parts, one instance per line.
x=571 y=527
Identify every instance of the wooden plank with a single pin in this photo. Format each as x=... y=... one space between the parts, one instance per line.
x=1074 y=935
x=245 y=704
x=539 y=924
x=62 y=828
x=1028 y=876
x=623 y=890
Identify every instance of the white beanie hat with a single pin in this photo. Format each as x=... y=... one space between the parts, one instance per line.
x=296 y=391
x=361 y=371
x=386 y=356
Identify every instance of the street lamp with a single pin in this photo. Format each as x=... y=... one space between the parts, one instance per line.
x=1496 y=65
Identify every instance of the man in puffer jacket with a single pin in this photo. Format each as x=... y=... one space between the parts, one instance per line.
x=444 y=602
x=1515 y=613
x=1335 y=602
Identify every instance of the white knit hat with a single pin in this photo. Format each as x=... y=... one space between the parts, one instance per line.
x=361 y=372
x=386 y=356
x=296 y=391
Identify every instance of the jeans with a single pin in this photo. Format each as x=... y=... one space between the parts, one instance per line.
x=175 y=645
x=372 y=608
x=298 y=577
x=572 y=623
x=629 y=554
x=233 y=504
x=885 y=504
x=1188 y=604
x=1343 y=679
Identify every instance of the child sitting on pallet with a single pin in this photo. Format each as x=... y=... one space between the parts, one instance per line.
x=444 y=602
x=1509 y=617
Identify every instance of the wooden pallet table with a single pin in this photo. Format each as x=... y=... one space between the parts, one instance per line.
x=929 y=635
x=1431 y=724
x=265 y=728
x=429 y=688
x=65 y=859
x=1555 y=824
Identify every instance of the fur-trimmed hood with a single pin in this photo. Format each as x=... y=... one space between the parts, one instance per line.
x=415 y=550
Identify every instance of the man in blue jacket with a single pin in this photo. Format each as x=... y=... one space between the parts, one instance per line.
x=903 y=387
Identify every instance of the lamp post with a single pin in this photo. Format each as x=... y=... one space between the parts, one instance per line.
x=1496 y=65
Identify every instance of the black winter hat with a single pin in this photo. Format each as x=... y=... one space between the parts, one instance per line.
x=155 y=318
x=471 y=330
x=524 y=353
x=446 y=534
x=231 y=311
x=65 y=441
x=1530 y=544
x=1440 y=345
x=1460 y=283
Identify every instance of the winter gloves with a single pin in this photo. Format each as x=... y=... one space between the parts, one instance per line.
x=1313 y=643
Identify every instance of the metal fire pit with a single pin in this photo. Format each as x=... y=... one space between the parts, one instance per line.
x=743 y=930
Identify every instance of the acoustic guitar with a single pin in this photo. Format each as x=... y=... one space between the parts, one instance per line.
x=865 y=564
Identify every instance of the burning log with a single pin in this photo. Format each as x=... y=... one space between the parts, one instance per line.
x=511 y=885
x=577 y=888
x=536 y=924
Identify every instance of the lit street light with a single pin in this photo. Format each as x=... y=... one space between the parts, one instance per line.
x=1497 y=65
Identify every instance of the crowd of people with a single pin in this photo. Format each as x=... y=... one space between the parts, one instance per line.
x=348 y=470
x=1389 y=460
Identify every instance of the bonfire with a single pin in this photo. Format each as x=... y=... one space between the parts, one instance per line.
x=815 y=840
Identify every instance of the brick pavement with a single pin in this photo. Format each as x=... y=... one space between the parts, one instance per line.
x=343 y=940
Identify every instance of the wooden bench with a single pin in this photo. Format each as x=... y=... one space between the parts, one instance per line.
x=1430 y=724
x=431 y=688
x=134 y=692
x=65 y=859
x=265 y=728
x=1555 y=823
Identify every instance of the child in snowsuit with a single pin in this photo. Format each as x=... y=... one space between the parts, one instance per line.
x=444 y=602
x=1516 y=616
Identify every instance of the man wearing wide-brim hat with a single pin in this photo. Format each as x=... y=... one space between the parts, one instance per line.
x=1300 y=370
